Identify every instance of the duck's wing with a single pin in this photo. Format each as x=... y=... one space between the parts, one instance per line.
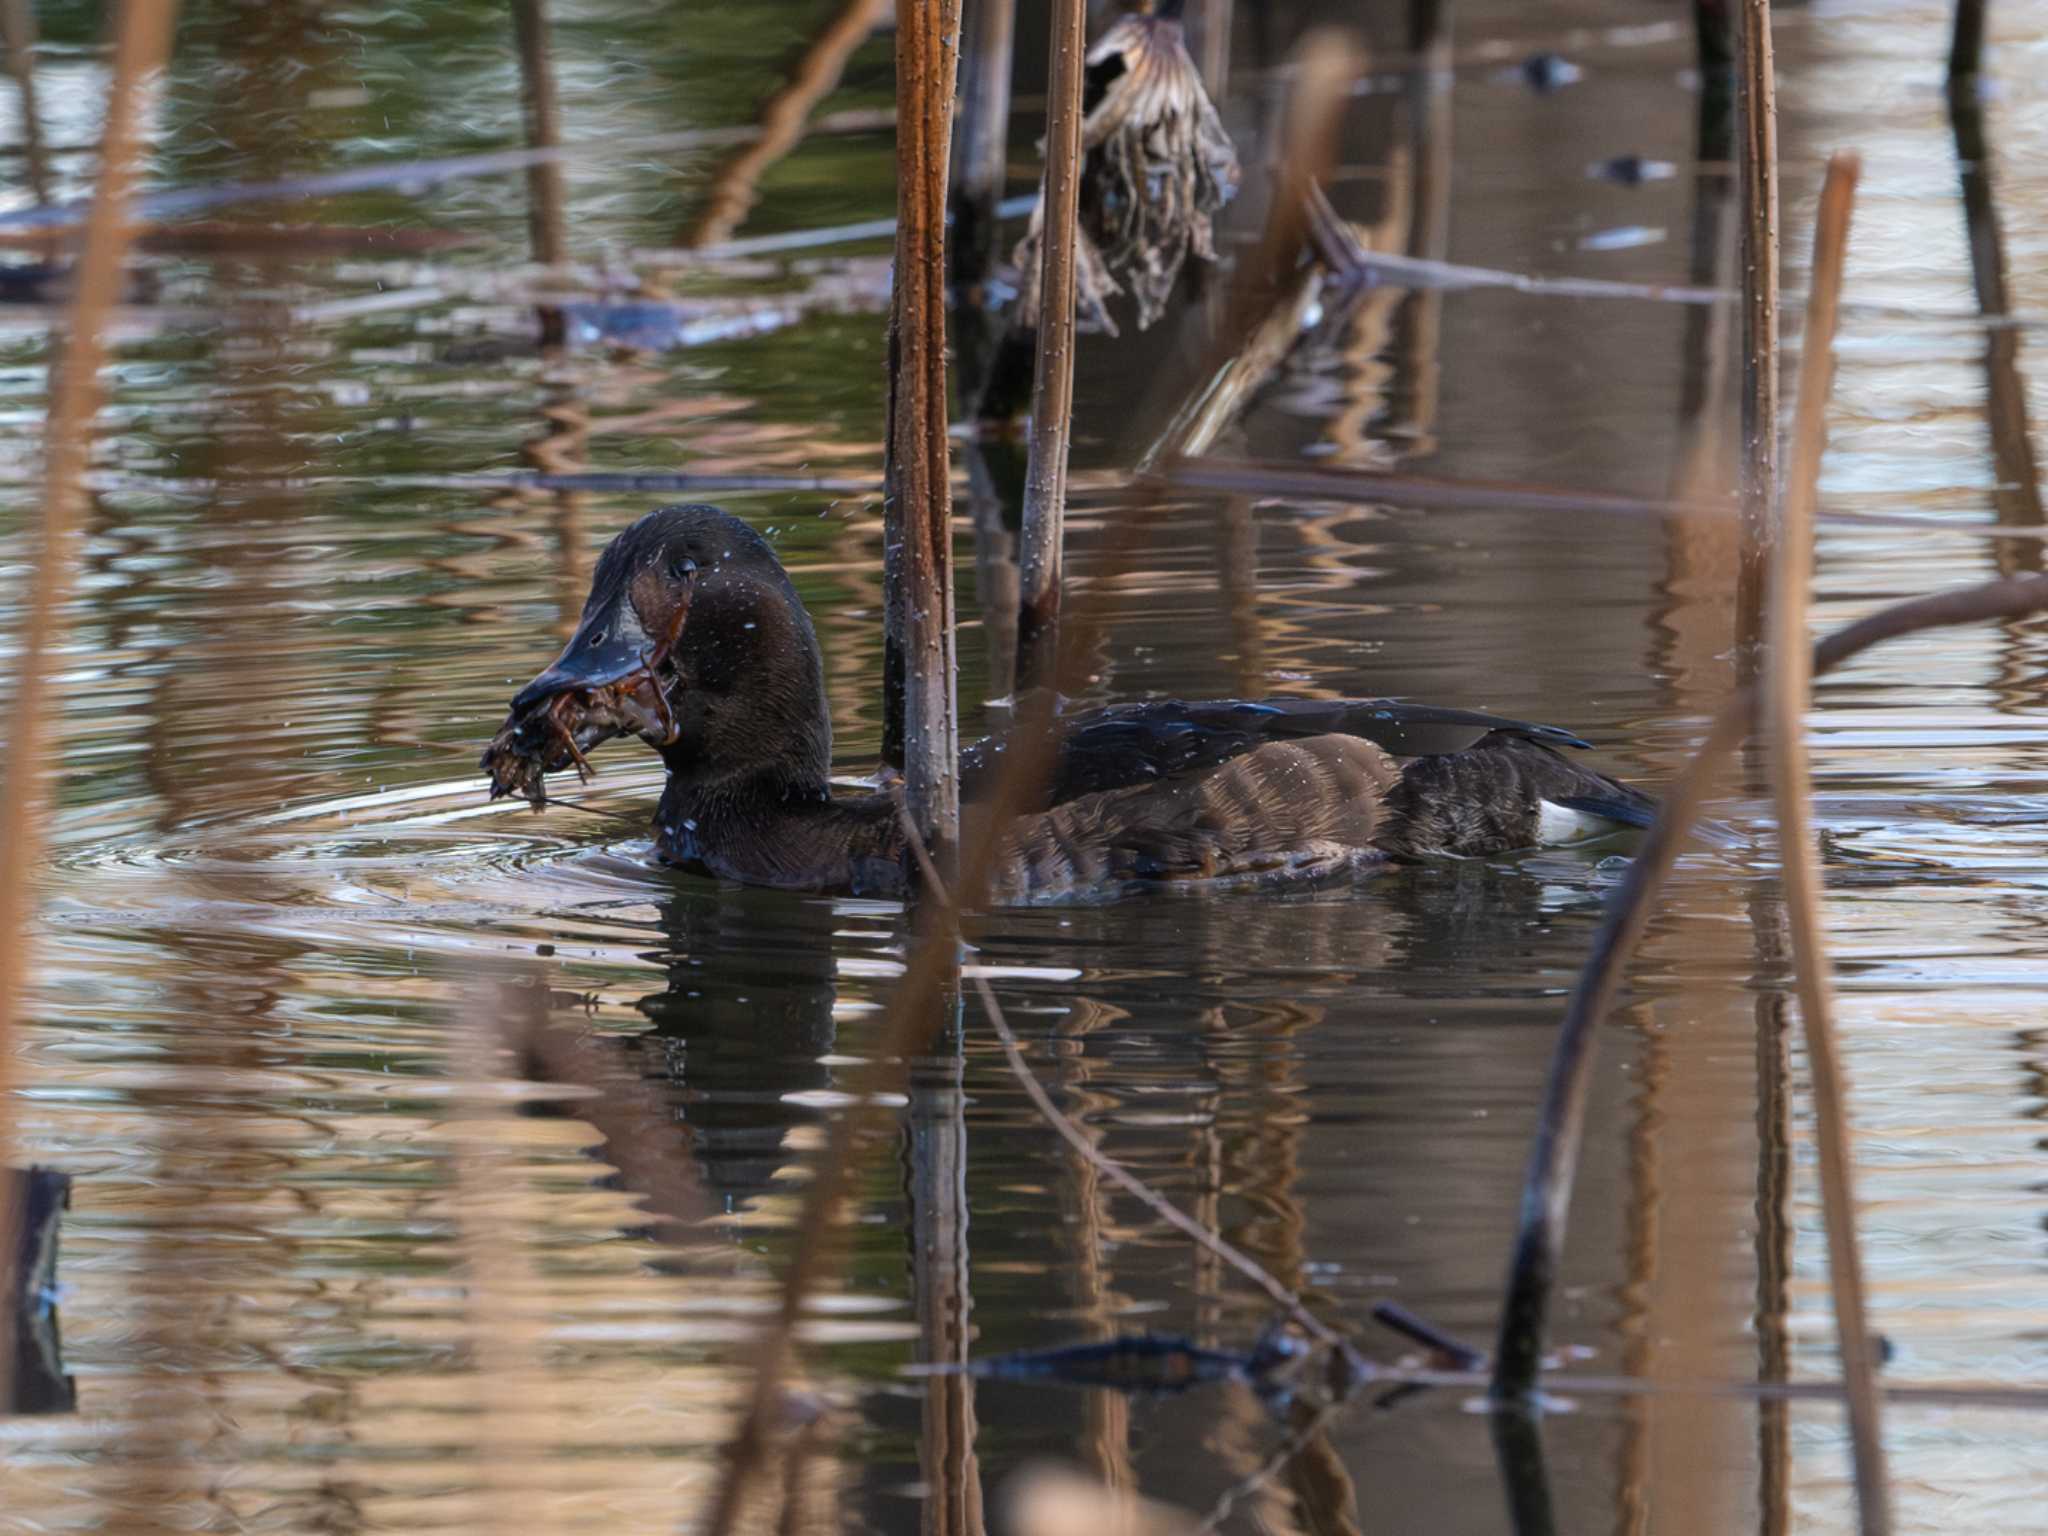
x=1129 y=744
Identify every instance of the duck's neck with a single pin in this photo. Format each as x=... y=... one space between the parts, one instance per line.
x=789 y=835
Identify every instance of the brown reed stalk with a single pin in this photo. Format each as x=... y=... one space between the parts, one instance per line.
x=920 y=714
x=734 y=189
x=1787 y=691
x=1756 y=106
x=142 y=37
x=546 y=202
x=1052 y=395
x=18 y=36
x=1966 y=45
x=1546 y=1194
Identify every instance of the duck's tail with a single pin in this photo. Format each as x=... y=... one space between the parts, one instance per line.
x=1505 y=793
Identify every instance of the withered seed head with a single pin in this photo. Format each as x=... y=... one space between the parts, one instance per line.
x=1157 y=166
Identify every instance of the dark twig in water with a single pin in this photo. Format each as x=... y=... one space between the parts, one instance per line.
x=1159 y=166
x=1052 y=396
x=1553 y=1158
x=733 y=190
x=1456 y=1351
x=1787 y=693
x=142 y=35
x=1966 y=46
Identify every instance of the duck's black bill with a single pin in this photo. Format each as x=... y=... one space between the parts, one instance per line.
x=608 y=647
x=603 y=685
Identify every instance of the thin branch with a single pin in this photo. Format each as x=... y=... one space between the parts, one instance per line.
x=142 y=36
x=1787 y=691
x=547 y=204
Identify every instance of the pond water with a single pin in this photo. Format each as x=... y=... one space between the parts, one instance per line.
x=337 y=1261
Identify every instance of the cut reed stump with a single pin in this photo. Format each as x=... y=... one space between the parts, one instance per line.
x=921 y=719
x=1052 y=400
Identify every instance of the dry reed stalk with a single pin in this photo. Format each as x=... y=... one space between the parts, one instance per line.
x=921 y=718
x=1966 y=47
x=1787 y=692
x=142 y=37
x=18 y=35
x=547 y=204
x=1052 y=395
x=1756 y=105
x=1553 y=1157
x=734 y=190
x=981 y=153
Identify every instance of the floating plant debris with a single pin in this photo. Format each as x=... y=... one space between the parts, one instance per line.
x=1146 y=1362
x=1157 y=166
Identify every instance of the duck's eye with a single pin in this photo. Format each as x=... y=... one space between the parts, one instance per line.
x=682 y=568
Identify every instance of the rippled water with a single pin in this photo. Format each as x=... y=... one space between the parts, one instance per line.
x=340 y=1260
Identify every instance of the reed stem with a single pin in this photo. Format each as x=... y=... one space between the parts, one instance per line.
x=981 y=158
x=142 y=36
x=1787 y=691
x=1052 y=401
x=1756 y=108
x=921 y=725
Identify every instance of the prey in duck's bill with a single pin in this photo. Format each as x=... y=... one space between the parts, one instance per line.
x=695 y=641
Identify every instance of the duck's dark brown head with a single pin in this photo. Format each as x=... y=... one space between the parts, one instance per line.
x=694 y=640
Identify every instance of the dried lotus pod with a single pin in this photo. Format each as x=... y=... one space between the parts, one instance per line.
x=1157 y=165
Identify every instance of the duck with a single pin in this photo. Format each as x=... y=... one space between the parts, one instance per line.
x=695 y=640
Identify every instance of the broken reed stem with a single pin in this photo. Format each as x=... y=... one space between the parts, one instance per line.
x=1787 y=689
x=815 y=76
x=1288 y=1301
x=921 y=720
x=1966 y=47
x=981 y=155
x=1756 y=105
x=142 y=37
x=546 y=203
x=1553 y=1155
x=1052 y=395
x=18 y=34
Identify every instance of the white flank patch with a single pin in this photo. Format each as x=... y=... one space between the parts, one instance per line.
x=1557 y=825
